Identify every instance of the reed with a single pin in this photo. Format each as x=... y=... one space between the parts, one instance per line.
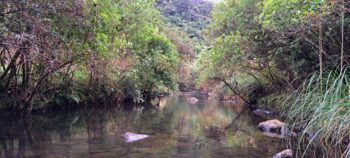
x=324 y=111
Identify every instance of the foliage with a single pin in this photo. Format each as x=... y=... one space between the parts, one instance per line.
x=278 y=44
x=280 y=14
x=275 y=42
x=190 y=15
x=155 y=70
x=186 y=20
x=58 y=52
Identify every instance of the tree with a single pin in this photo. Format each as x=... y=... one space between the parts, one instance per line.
x=58 y=52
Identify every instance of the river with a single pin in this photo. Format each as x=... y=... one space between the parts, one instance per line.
x=177 y=129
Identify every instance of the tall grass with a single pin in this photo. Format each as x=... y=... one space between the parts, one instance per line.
x=324 y=111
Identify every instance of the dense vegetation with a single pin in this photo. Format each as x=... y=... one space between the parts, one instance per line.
x=55 y=53
x=185 y=20
x=270 y=49
x=190 y=16
x=274 y=44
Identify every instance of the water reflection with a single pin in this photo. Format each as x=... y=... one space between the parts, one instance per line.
x=176 y=129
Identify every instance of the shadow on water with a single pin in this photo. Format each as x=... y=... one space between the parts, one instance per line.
x=176 y=129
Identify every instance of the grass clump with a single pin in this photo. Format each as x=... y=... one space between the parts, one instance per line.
x=321 y=107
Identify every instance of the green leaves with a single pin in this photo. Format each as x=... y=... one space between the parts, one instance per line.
x=278 y=14
x=124 y=48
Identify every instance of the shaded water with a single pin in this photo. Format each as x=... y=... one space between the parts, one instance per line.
x=177 y=129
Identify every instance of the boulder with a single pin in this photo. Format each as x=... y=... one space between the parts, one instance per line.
x=288 y=153
x=192 y=100
x=271 y=126
x=132 y=137
x=276 y=128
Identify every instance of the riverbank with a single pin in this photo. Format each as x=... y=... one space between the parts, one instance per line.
x=318 y=111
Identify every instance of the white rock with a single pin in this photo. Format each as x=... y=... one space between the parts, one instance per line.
x=192 y=100
x=132 y=137
x=288 y=153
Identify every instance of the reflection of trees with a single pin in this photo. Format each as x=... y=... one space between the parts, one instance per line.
x=239 y=131
x=20 y=136
x=97 y=128
x=95 y=125
x=34 y=135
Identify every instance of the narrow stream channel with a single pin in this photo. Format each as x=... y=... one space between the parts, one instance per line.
x=177 y=129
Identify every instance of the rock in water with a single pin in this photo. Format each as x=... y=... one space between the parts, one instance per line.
x=262 y=113
x=132 y=137
x=192 y=100
x=272 y=125
x=275 y=128
x=273 y=135
x=288 y=153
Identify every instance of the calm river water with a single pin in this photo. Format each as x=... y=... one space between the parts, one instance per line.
x=177 y=129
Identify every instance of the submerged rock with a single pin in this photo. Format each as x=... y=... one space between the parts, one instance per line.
x=263 y=113
x=271 y=126
x=288 y=153
x=132 y=137
x=192 y=100
x=214 y=132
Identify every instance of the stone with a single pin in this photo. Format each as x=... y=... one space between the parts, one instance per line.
x=262 y=113
x=273 y=135
x=271 y=125
x=132 y=137
x=277 y=132
x=288 y=153
x=192 y=100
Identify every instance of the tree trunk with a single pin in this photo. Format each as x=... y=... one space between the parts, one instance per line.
x=342 y=36
x=12 y=63
x=320 y=39
x=233 y=90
